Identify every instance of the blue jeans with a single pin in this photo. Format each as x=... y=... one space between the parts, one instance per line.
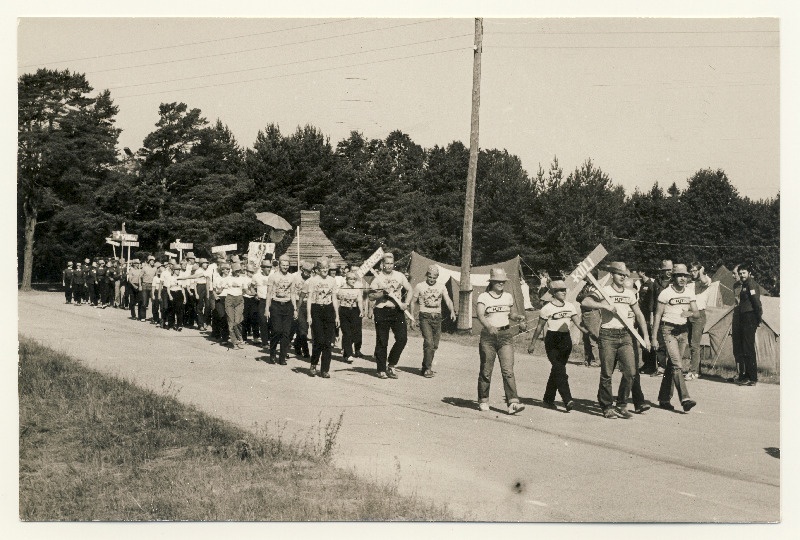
x=498 y=346
x=676 y=339
x=616 y=350
x=430 y=324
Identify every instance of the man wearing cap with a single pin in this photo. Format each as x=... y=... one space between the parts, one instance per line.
x=496 y=311
x=428 y=296
x=390 y=315
x=300 y=325
x=78 y=284
x=281 y=309
x=134 y=289
x=91 y=283
x=66 y=282
x=261 y=281
x=102 y=283
x=748 y=313
x=148 y=271
x=201 y=279
x=676 y=304
x=616 y=342
x=155 y=293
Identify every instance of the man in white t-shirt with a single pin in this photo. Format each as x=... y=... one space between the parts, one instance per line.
x=390 y=314
x=676 y=303
x=616 y=342
x=281 y=309
x=428 y=296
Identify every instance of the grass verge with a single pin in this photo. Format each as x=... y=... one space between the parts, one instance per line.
x=94 y=447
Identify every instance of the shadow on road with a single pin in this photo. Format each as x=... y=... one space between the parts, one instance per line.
x=461 y=402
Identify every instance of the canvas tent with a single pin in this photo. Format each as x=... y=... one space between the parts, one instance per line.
x=313 y=243
x=479 y=277
x=724 y=277
x=768 y=347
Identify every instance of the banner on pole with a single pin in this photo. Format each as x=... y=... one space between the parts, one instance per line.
x=112 y=242
x=181 y=245
x=126 y=243
x=223 y=249
x=170 y=254
x=369 y=263
x=256 y=251
x=116 y=235
x=129 y=237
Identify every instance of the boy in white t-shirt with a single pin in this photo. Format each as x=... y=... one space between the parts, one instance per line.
x=675 y=304
x=428 y=296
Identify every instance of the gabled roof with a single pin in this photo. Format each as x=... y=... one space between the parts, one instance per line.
x=313 y=242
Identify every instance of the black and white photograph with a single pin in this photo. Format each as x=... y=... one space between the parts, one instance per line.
x=437 y=265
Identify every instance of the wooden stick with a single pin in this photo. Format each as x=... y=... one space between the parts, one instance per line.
x=626 y=322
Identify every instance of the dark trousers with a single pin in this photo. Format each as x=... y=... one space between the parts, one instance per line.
x=430 y=325
x=281 y=315
x=68 y=292
x=386 y=319
x=323 y=325
x=746 y=338
x=221 y=331
x=350 y=322
x=300 y=331
x=635 y=388
x=135 y=301
x=147 y=292
x=157 y=307
x=77 y=292
x=164 y=301
x=175 y=310
x=250 y=325
x=91 y=289
x=203 y=309
x=190 y=310
x=263 y=321
x=558 y=346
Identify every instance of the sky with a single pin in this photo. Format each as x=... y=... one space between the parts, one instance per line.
x=647 y=99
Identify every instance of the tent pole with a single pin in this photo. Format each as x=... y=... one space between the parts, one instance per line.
x=298 y=248
x=719 y=351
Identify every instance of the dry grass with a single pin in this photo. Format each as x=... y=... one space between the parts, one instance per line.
x=94 y=447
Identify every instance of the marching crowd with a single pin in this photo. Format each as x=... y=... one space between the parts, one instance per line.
x=633 y=323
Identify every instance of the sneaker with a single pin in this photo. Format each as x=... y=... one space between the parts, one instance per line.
x=391 y=373
x=347 y=360
x=550 y=404
x=656 y=373
x=622 y=412
x=687 y=405
x=325 y=375
x=358 y=354
x=382 y=375
x=313 y=370
x=644 y=407
x=427 y=373
x=483 y=406
x=569 y=405
x=609 y=413
x=666 y=405
x=514 y=408
x=747 y=382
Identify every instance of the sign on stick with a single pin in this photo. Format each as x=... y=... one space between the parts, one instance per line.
x=223 y=249
x=112 y=242
x=369 y=263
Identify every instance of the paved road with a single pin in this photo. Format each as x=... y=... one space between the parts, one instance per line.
x=716 y=463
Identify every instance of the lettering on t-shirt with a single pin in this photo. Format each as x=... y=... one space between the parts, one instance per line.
x=348 y=297
x=497 y=309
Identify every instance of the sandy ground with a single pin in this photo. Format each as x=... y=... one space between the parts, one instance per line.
x=717 y=463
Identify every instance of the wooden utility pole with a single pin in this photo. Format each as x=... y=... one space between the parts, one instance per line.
x=465 y=293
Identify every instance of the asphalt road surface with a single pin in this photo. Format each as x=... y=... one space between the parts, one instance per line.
x=718 y=463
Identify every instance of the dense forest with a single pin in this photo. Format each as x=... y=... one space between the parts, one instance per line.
x=191 y=179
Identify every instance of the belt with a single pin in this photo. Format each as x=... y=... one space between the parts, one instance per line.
x=506 y=327
x=281 y=301
x=673 y=325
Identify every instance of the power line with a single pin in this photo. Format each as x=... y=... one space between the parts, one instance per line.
x=300 y=73
x=263 y=48
x=283 y=64
x=188 y=44
x=689 y=245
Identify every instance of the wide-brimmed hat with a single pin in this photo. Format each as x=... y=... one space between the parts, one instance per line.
x=497 y=274
x=618 y=267
x=190 y=255
x=558 y=285
x=202 y=260
x=307 y=266
x=666 y=264
x=150 y=258
x=680 y=270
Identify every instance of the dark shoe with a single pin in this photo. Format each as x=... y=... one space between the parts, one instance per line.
x=687 y=405
x=609 y=413
x=325 y=375
x=644 y=407
x=550 y=405
x=272 y=359
x=346 y=360
x=427 y=373
x=622 y=412
x=282 y=362
x=569 y=405
x=747 y=382
x=391 y=373
x=358 y=354
x=656 y=373
x=179 y=329
x=666 y=405
x=313 y=371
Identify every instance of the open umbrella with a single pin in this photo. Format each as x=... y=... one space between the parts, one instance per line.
x=273 y=220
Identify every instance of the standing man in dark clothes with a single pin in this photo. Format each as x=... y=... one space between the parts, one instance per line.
x=91 y=283
x=78 y=284
x=134 y=288
x=645 y=296
x=591 y=320
x=658 y=357
x=102 y=282
x=750 y=311
x=66 y=281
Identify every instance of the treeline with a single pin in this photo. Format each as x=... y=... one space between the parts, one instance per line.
x=192 y=180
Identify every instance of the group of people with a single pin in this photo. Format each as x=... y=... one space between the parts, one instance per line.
x=632 y=323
